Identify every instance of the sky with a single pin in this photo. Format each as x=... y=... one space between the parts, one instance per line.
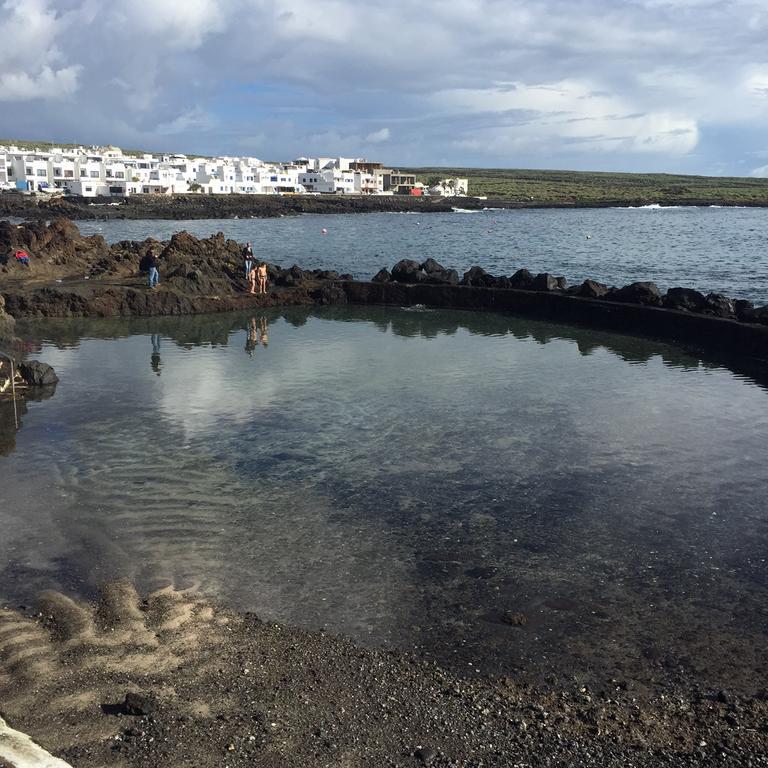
x=628 y=85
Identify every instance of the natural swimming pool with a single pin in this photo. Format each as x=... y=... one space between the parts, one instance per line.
x=411 y=478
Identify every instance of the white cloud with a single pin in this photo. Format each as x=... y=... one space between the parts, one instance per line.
x=46 y=84
x=467 y=81
x=576 y=112
x=378 y=136
x=760 y=173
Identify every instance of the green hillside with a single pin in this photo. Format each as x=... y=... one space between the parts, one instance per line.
x=581 y=187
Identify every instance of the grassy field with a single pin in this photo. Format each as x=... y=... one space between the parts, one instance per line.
x=588 y=188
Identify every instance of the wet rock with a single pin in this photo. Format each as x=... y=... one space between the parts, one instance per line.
x=430 y=265
x=645 y=293
x=139 y=704
x=745 y=310
x=522 y=279
x=761 y=315
x=328 y=274
x=37 y=374
x=443 y=277
x=591 y=289
x=382 y=276
x=719 y=305
x=408 y=271
x=685 y=299
x=476 y=276
x=546 y=282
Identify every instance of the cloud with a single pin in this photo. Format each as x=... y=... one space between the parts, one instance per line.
x=664 y=84
x=56 y=85
x=760 y=173
x=570 y=111
x=378 y=136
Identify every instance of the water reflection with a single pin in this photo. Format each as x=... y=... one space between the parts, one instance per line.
x=411 y=477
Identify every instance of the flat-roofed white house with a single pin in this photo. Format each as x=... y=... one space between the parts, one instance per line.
x=454 y=187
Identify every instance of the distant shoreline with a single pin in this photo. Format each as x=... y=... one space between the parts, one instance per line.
x=195 y=206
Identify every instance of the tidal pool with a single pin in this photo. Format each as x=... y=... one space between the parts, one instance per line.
x=409 y=478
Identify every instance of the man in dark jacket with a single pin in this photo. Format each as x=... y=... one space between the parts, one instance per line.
x=153 y=264
x=247 y=259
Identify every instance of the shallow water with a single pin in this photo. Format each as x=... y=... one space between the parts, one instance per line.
x=407 y=477
x=711 y=249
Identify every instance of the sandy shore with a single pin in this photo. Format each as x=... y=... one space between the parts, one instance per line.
x=217 y=688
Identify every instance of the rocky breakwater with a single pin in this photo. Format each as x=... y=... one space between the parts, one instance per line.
x=712 y=321
x=74 y=276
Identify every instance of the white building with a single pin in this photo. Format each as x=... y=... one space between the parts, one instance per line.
x=454 y=187
x=106 y=171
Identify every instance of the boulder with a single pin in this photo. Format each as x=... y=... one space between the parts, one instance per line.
x=745 y=310
x=327 y=274
x=37 y=374
x=685 y=299
x=139 y=704
x=646 y=293
x=591 y=289
x=408 y=271
x=382 y=276
x=546 y=282
x=522 y=279
x=719 y=306
x=476 y=276
x=761 y=315
x=443 y=277
x=430 y=266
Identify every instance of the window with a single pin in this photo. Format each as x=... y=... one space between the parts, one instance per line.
x=119 y=174
x=115 y=190
x=88 y=189
x=57 y=172
x=83 y=172
x=42 y=172
x=69 y=174
x=29 y=171
x=10 y=171
x=94 y=174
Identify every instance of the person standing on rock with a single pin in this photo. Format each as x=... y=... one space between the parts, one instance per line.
x=248 y=259
x=252 y=278
x=261 y=273
x=153 y=265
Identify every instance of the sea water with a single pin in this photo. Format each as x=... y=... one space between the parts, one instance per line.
x=721 y=250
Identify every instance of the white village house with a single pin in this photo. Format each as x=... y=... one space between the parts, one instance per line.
x=108 y=172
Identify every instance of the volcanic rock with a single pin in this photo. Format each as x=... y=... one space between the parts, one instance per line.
x=637 y=293
x=591 y=289
x=685 y=299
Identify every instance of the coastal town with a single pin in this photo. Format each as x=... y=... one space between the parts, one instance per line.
x=110 y=172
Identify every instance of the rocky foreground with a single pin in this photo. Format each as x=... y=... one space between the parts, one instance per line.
x=173 y=680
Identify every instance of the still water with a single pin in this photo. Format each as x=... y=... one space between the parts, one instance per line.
x=407 y=478
x=711 y=249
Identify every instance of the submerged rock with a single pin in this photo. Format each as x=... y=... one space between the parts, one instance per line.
x=37 y=374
